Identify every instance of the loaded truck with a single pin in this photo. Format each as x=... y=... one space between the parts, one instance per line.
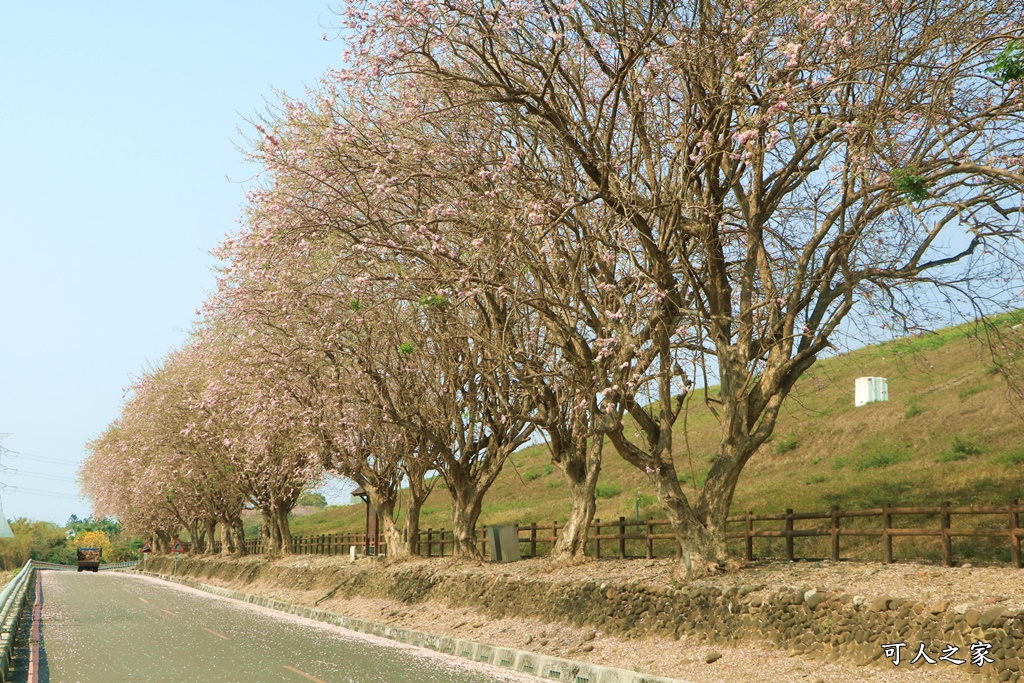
x=89 y=558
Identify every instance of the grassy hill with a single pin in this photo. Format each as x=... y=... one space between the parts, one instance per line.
x=949 y=431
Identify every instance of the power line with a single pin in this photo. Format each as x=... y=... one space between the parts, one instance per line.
x=40 y=458
x=37 y=475
x=37 y=492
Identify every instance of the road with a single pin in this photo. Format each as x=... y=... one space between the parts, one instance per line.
x=111 y=627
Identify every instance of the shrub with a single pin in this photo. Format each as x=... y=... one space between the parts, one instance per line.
x=970 y=391
x=877 y=459
x=964 y=447
x=1011 y=458
x=913 y=411
x=787 y=444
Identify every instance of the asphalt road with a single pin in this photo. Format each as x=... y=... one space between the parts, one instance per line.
x=111 y=627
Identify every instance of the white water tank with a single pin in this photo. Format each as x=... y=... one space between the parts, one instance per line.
x=870 y=390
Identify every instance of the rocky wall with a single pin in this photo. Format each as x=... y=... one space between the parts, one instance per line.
x=803 y=620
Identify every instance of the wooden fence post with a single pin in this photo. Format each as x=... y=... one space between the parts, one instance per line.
x=430 y=540
x=835 y=533
x=750 y=536
x=789 y=534
x=597 y=541
x=554 y=534
x=533 y=539
x=650 y=541
x=947 y=546
x=622 y=538
x=1014 y=521
x=886 y=536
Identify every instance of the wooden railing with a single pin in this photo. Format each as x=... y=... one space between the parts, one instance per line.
x=654 y=538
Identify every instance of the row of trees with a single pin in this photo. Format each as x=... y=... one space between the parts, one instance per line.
x=509 y=219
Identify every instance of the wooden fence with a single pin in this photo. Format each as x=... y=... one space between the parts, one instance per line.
x=654 y=538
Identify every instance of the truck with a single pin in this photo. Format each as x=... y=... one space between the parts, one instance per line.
x=89 y=558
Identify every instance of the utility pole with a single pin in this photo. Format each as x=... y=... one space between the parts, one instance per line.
x=5 y=528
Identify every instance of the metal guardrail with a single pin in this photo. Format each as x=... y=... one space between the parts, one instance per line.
x=12 y=600
x=51 y=566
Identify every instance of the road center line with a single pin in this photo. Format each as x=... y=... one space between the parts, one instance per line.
x=303 y=673
x=219 y=635
x=144 y=600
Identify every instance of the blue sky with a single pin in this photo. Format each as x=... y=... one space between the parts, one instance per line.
x=120 y=172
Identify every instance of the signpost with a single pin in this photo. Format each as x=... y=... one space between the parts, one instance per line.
x=177 y=548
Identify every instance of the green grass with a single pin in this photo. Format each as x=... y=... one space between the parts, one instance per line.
x=970 y=391
x=787 y=444
x=608 y=489
x=1011 y=458
x=913 y=410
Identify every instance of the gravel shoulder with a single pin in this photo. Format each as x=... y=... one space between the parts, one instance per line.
x=685 y=659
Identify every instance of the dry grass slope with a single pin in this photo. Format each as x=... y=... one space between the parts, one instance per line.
x=950 y=431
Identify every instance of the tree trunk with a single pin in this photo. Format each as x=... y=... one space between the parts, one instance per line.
x=392 y=536
x=702 y=539
x=581 y=466
x=163 y=542
x=236 y=531
x=227 y=541
x=283 y=529
x=211 y=532
x=465 y=512
x=270 y=532
x=412 y=527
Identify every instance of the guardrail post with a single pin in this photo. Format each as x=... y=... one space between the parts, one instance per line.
x=789 y=534
x=944 y=525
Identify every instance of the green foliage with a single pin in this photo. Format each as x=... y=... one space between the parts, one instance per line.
x=971 y=391
x=434 y=301
x=531 y=475
x=879 y=459
x=816 y=479
x=43 y=541
x=311 y=499
x=406 y=349
x=608 y=489
x=965 y=446
x=951 y=456
x=548 y=469
x=356 y=305
x=1011 y=458
x=913 y=410
x=913 y=187
x=1009 y=64
x=77 y=525
x=787 y=444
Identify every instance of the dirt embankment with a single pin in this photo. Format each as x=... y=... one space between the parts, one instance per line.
x=785 y=622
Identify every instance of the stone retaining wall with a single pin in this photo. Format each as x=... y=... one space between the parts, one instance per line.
x=803 y=620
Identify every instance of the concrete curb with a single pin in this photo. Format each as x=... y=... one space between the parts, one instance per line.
x=542 y=666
